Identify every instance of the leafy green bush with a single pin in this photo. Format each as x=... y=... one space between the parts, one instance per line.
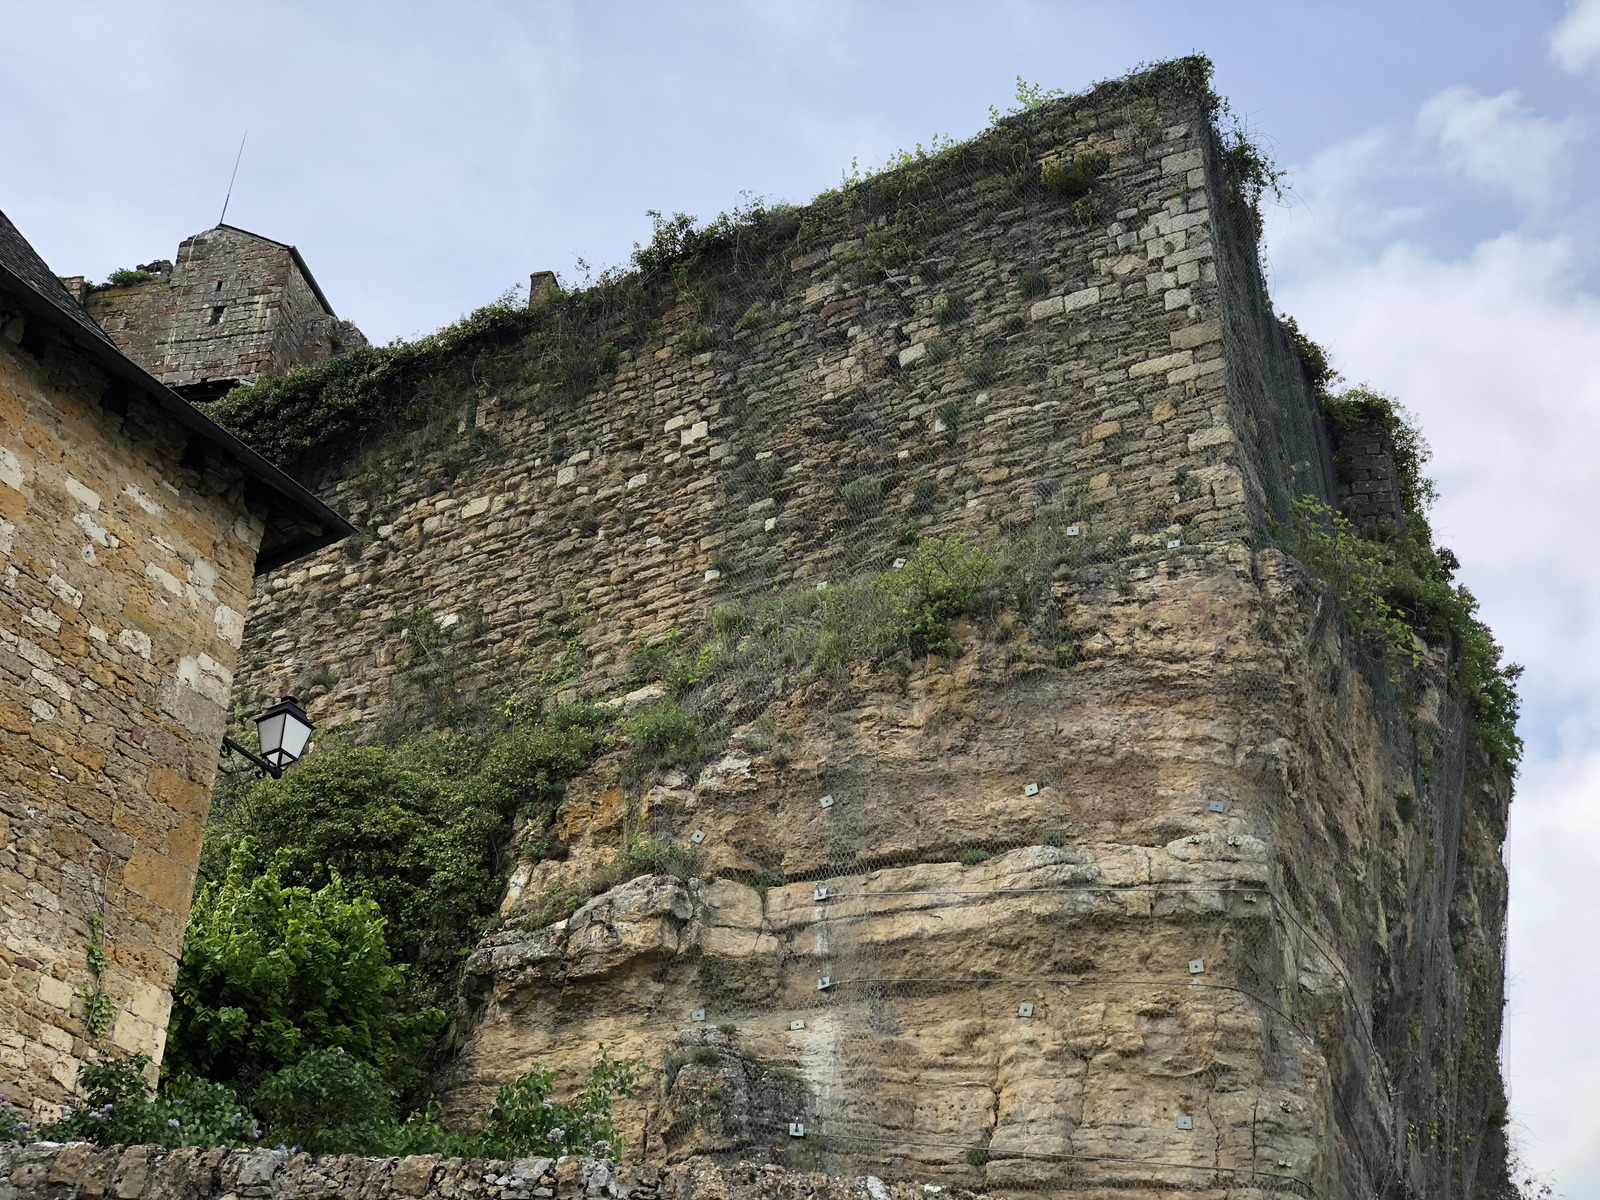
x=1358 y=572
x=127 y=277
x=320 y=414
x=1032 y=283
x=419 y=828
x=1065 y=180
x=524 y=1120
x=1394 y=591
x=1393 y=582
x=329 y=1102
x=938 y=582
x=117 y=1110
x=271 y=971
x=862 y=495
x=666 y=732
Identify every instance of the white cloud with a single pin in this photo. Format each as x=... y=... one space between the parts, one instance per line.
x=1575 y=41
x=1494 y=349
x=1496 y=143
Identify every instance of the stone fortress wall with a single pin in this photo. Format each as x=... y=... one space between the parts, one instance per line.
x=125 y=571
x=236 y=306
x=693 y=477
x=1132 y=910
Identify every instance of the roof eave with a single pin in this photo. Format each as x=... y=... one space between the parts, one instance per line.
x=296 y=496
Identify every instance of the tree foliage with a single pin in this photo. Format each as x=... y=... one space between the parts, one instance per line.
x=418 y=828
x=270 y=971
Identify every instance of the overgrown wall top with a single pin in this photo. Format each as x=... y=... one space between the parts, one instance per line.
x=979 y=350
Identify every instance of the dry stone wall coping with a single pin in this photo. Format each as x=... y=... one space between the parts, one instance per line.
x=52 y=1171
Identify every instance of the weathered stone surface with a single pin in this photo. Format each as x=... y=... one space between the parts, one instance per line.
x=52 y=1172
x=235 y=307
x=127 y=551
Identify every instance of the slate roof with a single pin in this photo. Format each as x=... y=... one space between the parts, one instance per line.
x=297 y=524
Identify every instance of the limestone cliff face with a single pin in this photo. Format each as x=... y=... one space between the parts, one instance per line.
x=1169 y=887
x=1230 y=944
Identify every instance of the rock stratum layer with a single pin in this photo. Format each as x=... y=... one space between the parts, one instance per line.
x=1113 y=901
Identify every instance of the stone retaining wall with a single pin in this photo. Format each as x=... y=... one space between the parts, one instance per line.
x=47 y=1171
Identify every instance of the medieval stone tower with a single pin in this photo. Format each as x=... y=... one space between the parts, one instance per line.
x=1142 y=874
x=235 y=307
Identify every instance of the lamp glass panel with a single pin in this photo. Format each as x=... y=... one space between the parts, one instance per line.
x=270 y=728
x=296 y=733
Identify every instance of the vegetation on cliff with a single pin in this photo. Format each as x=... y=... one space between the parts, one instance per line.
x=331 y=1102
x=1395 y=584
x=420 y=828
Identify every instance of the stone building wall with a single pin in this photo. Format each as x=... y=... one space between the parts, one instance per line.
x=235 y=306
x=131 y=315
x=126 y=578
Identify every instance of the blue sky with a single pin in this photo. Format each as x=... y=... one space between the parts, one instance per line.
x=1441 y=239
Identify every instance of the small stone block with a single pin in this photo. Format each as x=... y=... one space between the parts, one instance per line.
x=826 y=802
x=1024 y=1010
x=1197 y=966
x=698 y=836
x=793 y=1025
x=797 y=1129
x=1185 y=1122
x=1031 y=790
x=1218 y=806
x=698 y=1014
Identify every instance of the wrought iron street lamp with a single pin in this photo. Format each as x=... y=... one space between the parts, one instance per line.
x=283 y=731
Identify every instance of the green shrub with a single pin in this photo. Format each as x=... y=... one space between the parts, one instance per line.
x=271 y=971
x=419 y=828
x=524 y=1121
x=328 y=1102
x=949 y=310
x=1065 y=180
x=862 y=495
x=971 y=858
x=666 y=732
x=1392 y=592
x=940 y=579
x=116 y=1109
x=1032 y=284
x=127 y=277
